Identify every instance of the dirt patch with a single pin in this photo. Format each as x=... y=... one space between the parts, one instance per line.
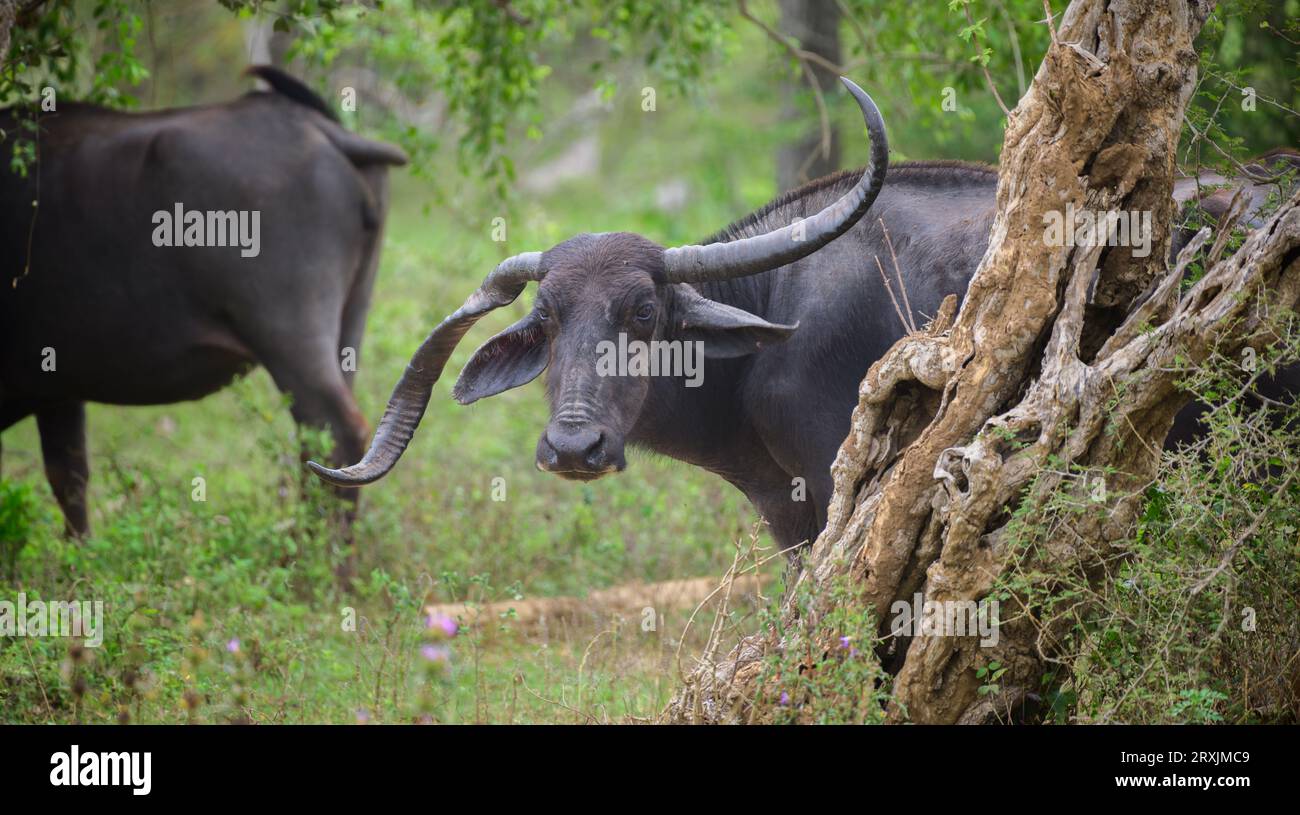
x=627 y=599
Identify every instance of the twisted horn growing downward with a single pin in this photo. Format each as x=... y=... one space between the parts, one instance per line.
x=411 y=396
x=747 y=256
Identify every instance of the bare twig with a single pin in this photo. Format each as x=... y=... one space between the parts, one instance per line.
x=1241 y=539
x=806 y=59
x=868 y=45
x=1254 y=175
x=1015 y=46
x=979 y=51
x=907 y=328
x=801 y=54
x=1051 y=25
x=590 y=719
x=1231 y=84
x=39 y=682
x=582 y=666
x=910 y=322
x=724 y=585
x=512 y=12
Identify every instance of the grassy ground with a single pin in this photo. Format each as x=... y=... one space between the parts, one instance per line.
x=227 y=608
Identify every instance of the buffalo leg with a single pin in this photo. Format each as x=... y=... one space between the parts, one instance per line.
x=808 y=454
x=304 y=362
x=353 y=325
x=63 y=446
x=326 y=402
x=334 y=407
x=322 y=399
x=793 y=526
x=791 y=519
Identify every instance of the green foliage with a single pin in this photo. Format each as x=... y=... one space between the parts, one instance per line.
x=55 y=48
x=19 y=512
x=988 y=675
x=490 y=62
x=915 y=56
x=1197 y=620
x=1247 y=49
x=52 y=50
x=825 y=670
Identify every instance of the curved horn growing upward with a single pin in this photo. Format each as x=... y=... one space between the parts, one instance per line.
x=411 y=396
x=747 y=256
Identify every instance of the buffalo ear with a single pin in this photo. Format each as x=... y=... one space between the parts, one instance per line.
x=726 y=331
x=512 y=358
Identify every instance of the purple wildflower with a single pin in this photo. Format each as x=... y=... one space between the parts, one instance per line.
x=434 y=653
x=442 y=623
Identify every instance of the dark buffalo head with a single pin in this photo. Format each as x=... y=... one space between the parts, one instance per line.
x=599 y=293
x=605 y=288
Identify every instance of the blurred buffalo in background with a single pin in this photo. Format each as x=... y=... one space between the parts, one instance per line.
x=152 y=257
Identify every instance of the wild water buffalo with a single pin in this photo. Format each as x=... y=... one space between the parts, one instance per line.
x=169 y=251
x=774 y=403
x=1207 y=197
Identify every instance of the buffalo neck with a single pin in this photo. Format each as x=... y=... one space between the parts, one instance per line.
x=700 y=425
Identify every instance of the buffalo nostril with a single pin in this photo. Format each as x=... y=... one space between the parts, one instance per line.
x=595 y=454
x=546 y=456
x=574 y=449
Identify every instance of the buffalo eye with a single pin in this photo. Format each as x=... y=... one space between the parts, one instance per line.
x=542 y=313
x=645 y=312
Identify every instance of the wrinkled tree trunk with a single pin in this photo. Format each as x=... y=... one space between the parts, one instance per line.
x=1054 y=366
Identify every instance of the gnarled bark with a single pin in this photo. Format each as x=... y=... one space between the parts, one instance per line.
x=1054 y=357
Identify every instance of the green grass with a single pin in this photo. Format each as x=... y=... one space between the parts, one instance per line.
x=255 y=561
x=180 y=578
